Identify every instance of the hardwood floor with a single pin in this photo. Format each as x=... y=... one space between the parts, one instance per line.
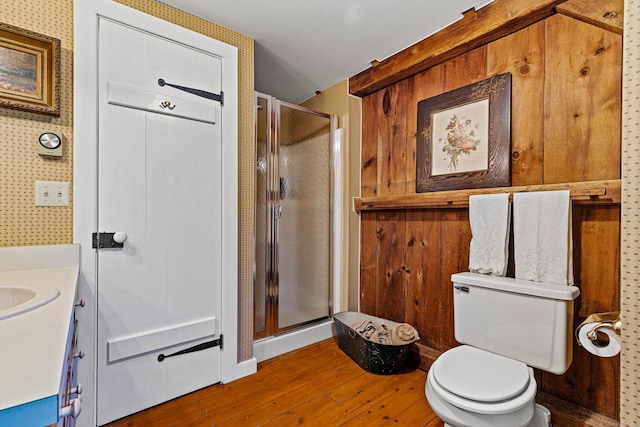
x=315 y=386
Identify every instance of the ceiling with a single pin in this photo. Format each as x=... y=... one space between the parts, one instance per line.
x=306 y=46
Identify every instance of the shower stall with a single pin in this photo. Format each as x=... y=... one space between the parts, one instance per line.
x=294 y=179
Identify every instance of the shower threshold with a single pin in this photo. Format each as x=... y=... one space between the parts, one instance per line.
x=269 y=347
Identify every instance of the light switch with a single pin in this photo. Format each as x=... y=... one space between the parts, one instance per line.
x=52 y=193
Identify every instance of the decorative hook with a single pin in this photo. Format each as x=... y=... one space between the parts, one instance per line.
x=167 y=104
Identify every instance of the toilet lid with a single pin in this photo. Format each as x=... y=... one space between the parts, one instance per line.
x=479 y=375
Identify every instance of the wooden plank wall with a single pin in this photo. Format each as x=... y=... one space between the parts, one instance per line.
x=566 y=113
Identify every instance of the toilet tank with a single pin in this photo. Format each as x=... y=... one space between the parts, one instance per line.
x=528 y=321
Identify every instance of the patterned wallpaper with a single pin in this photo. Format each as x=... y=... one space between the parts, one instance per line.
x=630 y=258
x=21 y=222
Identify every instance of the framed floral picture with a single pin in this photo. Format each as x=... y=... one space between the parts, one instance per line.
x=464 y=137
x=29 y=71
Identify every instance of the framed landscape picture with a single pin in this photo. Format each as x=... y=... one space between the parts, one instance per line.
x=464 y=137
x=29 y=71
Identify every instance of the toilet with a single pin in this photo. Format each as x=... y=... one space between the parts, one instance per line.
x=506 y=327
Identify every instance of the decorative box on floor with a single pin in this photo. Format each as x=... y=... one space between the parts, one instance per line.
x=378 y=345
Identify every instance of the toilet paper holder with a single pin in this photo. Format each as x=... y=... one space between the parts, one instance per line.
x=605 y=320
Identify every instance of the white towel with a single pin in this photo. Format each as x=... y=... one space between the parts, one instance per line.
x=542 y=236
x=489 y=219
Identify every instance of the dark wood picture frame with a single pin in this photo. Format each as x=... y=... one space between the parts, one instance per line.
x=29 y=71
x=463 y=138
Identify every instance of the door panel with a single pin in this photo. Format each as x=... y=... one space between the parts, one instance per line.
x=304 y=231
x=159 y=180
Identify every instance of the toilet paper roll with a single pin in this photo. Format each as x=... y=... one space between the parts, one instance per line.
x=609 y=350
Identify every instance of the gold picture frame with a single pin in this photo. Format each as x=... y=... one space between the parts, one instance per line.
x=29 y=71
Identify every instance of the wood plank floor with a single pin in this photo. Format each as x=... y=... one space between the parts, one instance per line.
x=315 y=386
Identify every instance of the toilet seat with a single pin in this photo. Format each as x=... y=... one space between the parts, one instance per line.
x=482 y=382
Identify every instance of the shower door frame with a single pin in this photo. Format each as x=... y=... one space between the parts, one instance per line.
x=271 y=243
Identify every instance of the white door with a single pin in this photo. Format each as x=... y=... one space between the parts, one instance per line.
x=159 y=182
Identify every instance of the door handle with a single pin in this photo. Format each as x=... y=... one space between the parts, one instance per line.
x=119 y=237
x=109 y=240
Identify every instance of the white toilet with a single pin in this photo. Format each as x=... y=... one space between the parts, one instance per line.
x=506 y=326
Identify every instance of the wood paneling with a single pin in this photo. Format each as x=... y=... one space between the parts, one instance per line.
x=368 y=262
x=454 y=258
x=477 y=28
x=369 y=176
x=465 y=69
x=582 y=111
x=423 y=275
x=606 y=14
x=392 y=139
x=390 y=296
x=422 y=86
x=566 y=77
x=592 y=381
x=596 y=257
x=522 y=55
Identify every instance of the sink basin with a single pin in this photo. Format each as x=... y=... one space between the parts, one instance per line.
x=18 y=299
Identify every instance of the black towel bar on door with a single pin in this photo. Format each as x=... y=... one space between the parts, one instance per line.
x=198 y=92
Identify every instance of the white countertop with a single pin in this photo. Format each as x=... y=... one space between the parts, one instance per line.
x=33 y=343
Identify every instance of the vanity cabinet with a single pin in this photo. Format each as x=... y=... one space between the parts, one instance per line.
x=69 y=402
x=69 y=399
x=38 y=361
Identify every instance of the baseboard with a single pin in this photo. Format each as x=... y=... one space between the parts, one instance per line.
x=422 y=356
x=247 y=367
x=566 y=414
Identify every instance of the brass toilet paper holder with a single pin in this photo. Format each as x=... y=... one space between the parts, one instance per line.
x=605 y=320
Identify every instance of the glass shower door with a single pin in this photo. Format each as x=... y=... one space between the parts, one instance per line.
x=303 y=215
x=293 y=216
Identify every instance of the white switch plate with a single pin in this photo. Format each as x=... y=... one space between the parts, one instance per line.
x=52 y=193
